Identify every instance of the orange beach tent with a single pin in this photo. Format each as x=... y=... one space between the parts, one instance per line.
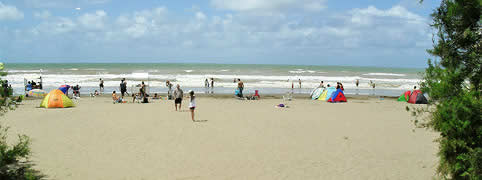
x=56 y=99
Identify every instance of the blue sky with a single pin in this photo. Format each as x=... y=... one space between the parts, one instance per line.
x=310 y=32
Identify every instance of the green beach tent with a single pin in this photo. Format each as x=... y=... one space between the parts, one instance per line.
x=405 y=96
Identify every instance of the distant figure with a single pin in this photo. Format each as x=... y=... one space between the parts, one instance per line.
x=123 y=87
x=292 y=85
x=76 y=90
x=373 y=86
x=212 y=83
x=206 y=83
x=234 y=80
x=28 y=87
x=116 y=98
x=357 y=83
x=142 y=90
x=240 y=87
x=321 y=85
x=341 y=87
x=169 y=89
x=192 y=103
x=178 y=94
x=101 y=85
x=6 y=90
x=414 y=87
x=299 y=81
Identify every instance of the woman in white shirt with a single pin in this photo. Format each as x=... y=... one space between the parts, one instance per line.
x=192 y=103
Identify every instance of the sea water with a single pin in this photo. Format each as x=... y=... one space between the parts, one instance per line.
x=268 y=79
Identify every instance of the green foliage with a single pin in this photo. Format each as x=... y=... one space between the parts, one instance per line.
x=453 y=85
x=14 y=163
x=14 y=159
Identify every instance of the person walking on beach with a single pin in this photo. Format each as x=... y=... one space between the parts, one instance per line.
x=101 y=85
x=169 y=89
x=178 y=94
x=123 y=87
x=240 y=87
x=192 y=103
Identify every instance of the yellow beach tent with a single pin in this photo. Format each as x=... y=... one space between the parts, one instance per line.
x=56 y=99
x=323 y=95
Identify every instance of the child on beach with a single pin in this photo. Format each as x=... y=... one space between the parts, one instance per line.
x=192 y=103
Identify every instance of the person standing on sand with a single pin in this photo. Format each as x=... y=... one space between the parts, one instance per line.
x=101 y=85
x=240 y=87
x=123 y=88
x=178 y=94
x=192 y=103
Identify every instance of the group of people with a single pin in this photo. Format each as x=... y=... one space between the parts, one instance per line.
x=33 y=85
x=177 y=95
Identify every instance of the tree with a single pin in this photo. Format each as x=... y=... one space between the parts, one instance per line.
x=452 y=82
x=14 y=159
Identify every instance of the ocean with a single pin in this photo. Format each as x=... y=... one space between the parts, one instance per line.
x=268 y=79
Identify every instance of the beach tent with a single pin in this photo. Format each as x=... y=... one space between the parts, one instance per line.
x=337 y=96
x=64 y=89
x=56 y=99
x=323 y=95
x=36 y=93
x=316 y=93
x=417 y=97
x=329 y=93
x=405 y=96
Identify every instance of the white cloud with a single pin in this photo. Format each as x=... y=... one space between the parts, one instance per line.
x=9 y=12
x=200 y=16
x=268 y=5
x=158 y=32
x=93 y=21
x=42 y=14
x=370 y=14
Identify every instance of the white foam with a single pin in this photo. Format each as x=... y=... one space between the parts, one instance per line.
x=189 y=70
x=384 y=74
x=26 y=71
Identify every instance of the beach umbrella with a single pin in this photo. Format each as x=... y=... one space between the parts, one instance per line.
x=64 y=89
x=56 y=99
x=37 y=93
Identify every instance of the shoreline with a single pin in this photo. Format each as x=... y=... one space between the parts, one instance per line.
x=231 y=96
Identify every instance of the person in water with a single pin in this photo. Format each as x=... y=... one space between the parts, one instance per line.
x=192 y=103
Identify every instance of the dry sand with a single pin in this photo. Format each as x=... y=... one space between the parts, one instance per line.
x=361 y=139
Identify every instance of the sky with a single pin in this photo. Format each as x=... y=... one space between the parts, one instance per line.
x=383 y=33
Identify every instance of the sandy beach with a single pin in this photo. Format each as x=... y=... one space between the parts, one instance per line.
x=366 y=138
